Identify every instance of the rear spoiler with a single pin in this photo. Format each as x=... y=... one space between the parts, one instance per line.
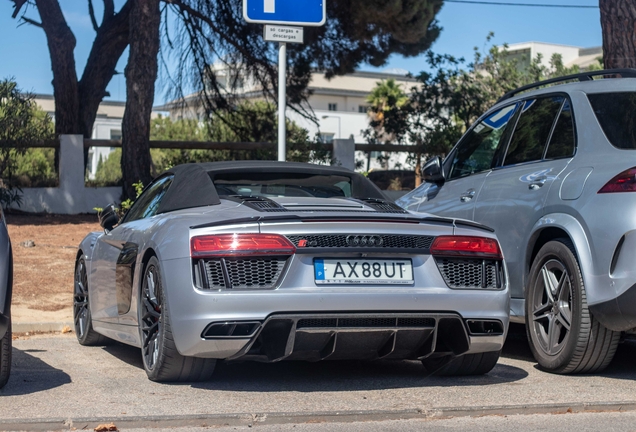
x=374 y=217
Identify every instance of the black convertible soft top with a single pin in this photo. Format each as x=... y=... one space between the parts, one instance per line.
x=193 y=185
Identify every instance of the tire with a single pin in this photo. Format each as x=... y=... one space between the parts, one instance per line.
x=162 y=361
x=5 y=357
x=82 y=319
x=467 y=364
x=564 y=336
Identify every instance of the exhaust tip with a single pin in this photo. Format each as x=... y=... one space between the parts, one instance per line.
x=485 y=327
x=234 y=329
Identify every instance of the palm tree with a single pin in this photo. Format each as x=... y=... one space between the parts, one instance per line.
x=385 y=96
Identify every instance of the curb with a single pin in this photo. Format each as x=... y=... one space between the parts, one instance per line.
x=43 y=327
x=250 y=419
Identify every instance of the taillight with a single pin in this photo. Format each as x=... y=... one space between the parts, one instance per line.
x=482 y=247
x=220 y=245
x=624 y=182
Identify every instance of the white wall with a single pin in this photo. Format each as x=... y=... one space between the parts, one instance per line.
x=71 y=197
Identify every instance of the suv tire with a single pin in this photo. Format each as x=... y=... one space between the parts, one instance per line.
x=564 y=336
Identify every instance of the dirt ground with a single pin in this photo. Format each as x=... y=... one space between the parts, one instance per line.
x=43 y=273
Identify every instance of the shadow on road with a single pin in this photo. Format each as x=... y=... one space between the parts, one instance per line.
x=342 y=375
x=325 y=376
x=516 y=346
x=126 y=353
x=623 y=367
x=29 y=375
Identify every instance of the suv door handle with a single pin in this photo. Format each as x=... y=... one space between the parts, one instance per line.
x=537 y=183
x=467 y=196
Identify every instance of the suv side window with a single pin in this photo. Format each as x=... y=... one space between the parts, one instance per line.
x=533 y=129
x=148 y=202
x=562 y=142
x=477 y=149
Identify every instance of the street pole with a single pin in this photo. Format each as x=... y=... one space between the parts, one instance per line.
x=282 y=101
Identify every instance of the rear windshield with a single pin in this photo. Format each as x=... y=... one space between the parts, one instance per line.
x=616 y=112
x=282 y=185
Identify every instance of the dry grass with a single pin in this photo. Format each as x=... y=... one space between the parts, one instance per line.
x=43 y=274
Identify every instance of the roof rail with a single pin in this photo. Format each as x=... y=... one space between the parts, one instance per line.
x=584 y=76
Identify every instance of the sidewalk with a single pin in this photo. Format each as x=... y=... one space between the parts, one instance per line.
x=25 y=320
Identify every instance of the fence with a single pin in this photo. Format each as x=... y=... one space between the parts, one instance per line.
x=72 y=196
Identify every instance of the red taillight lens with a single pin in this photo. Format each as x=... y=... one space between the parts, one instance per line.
x=466 y=246
x=240 y=244
x=624 y=182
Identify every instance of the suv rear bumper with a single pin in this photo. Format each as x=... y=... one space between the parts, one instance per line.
x=618 y=314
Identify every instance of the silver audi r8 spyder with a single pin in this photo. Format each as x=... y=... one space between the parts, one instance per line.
x=273 y=261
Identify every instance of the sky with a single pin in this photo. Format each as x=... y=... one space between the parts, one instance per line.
x=24 y=55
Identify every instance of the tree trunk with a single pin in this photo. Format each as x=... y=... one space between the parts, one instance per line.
x=618 y=21
x=109 y=45
x=61 y=42
x=76 y=103
x=141 y=73
x=418 y=170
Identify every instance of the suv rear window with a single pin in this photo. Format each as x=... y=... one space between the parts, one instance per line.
x=616 y=112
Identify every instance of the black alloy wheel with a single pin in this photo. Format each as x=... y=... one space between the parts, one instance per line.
x=162 y=362
x=552 y=307
x=564 y=336
x=81 y=309
x=151 y=325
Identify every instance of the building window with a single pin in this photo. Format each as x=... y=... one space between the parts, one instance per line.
x=115 y=134
x=363 y=109
x=333 y=107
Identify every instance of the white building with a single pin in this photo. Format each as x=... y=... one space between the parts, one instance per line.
x=339 y=104
x=525 y=52
x=107 y=126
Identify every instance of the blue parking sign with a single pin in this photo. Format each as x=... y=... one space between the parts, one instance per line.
x=286 y=12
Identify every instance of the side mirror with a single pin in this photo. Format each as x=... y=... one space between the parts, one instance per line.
x=108 y=217
x=432 y=171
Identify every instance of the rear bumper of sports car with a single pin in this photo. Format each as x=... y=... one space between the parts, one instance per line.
x=343 y=322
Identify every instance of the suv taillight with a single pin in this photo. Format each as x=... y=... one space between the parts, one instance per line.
x=467 y=246
x=221 y=245
x=624 y=182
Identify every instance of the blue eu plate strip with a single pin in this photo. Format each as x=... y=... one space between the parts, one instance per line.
x=319 y=269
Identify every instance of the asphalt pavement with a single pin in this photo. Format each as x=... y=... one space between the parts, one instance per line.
x=58 y=384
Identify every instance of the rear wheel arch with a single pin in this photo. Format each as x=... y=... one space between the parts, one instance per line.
x=149 y=253
x=539 y=239
x=557 y=226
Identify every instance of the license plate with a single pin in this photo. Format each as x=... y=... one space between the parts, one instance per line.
x=363 y=271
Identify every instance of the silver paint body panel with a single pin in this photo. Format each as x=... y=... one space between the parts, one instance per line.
x=192 y=309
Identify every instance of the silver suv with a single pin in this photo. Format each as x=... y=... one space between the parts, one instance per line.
x=551 y=170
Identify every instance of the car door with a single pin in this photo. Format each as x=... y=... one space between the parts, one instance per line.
x=116 y=254
x=512 y=197
x=468 y=165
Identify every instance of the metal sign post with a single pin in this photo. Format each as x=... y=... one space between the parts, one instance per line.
x=282 y=100
x=290 y=12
